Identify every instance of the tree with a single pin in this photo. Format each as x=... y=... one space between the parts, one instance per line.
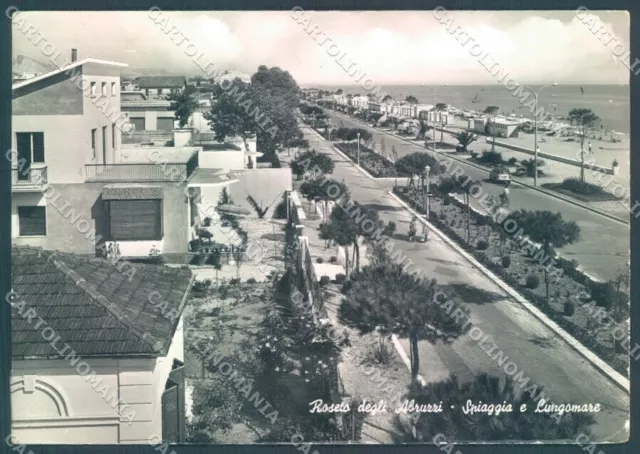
x=584 y=120
x=394 y=157
x=312 y=161
x=325 y=190
x=464 y=185
x=440 y=107
x=549 y=230
x=276 y=97
x=405 y=304
x=411 y=99
x=529 y=167
x=492 y=111
x=465 y=138
x=228 y=117
x=347 y=224
x=459 y=427
x=339 y=91
x=414 y=164
x=387 y=98
x=183 y=104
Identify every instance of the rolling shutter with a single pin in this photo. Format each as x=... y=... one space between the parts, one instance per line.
x=170 y=430
x=32 y=221
x=38 y=147
x=135 y=220
x=177 y=376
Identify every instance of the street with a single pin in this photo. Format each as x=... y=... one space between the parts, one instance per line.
x=538 y=352
x=604 y=244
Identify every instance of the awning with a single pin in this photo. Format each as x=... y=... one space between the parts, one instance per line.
x=131 y=192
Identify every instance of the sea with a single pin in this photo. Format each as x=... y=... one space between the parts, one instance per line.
x=611 y=103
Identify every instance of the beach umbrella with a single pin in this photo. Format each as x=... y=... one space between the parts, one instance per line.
x=233 y=209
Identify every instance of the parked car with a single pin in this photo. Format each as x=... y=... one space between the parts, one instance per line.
x=500 y=175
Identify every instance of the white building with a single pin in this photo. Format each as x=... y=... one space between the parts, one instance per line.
x=106 y=367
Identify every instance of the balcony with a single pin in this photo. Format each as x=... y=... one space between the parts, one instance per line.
x=33 y=178
x=161 y=171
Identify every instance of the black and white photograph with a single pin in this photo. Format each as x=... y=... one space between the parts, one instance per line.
x=320 y=227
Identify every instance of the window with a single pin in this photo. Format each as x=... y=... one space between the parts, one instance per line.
x=138 y=123
x=32 y=221
x=165 y=124
x=30 y=146
x=113 y=136
x=104 y=89
x=94 y=132
x=93 y=88
x=113 y=88
x=135 y=220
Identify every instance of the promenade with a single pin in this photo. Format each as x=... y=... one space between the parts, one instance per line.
x=525 y=340
x=604 y=244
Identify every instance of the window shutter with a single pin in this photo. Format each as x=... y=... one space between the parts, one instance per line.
x=32 y=221
x=23 y=141
x=170 y=412
x=177 y=376
x=135 y=220
x=38 y=147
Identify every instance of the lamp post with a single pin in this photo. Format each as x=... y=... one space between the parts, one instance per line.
x=535 y=130
x=358 y=149
x=434 y=115
x=427 y=169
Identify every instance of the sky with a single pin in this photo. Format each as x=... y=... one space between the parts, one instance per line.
x=403 y=47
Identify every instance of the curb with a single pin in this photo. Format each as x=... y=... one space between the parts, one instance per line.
x=549 y=193
x=404 y=357
x=603 y=367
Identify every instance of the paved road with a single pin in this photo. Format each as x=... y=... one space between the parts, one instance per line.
x=604 y=246
x=528 y=343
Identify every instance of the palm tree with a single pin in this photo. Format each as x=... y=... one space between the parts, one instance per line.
x=492 y=111
x=465 y=138
x=440 y=107
x=529 y=166
x=459 y=427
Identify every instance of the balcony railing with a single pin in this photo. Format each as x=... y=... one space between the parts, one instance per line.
x=158 y=137
x=139 y=172
x=29 y=177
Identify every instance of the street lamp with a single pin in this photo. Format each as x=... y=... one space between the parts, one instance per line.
x=427 y=169
x=434 y=114
x=535 y=130
x=358 y=149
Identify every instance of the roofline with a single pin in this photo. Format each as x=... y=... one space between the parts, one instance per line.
x=84 y=61
x=181 y=307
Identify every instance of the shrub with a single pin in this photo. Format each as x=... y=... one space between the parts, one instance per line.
x=206 y=222
x=319 y=260
x=447 y=200
x=614 y=163
x=443 y=216
x=390 y=228
x=433 y=215
x=201 y=286
x=333 y=259
x=481 y=221
x=251 y=281
x=482 y=245
x=603 y=293
x=491 y=157
x=506 y=261
x=482 y=258
x=533 y=281
x=324 y=280
x=281 y=210
x=340 y=278
x=512 y=161
x=234 y=281
x=474 y=154
x=580 y=187
x=380 y=353
x=569 y=308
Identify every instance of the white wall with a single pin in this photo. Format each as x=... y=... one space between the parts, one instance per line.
x=232 y=160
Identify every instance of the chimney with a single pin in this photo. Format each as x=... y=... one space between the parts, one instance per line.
x=74 y=55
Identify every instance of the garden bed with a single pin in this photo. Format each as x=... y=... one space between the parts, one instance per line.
x=372 y=162
x=449 y=216
x=599 y=196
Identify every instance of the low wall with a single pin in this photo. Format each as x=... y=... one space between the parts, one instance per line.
x=553 y=157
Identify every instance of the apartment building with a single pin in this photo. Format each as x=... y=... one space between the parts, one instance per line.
x=76 y=188
x=114 y=372
x=161 y=86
